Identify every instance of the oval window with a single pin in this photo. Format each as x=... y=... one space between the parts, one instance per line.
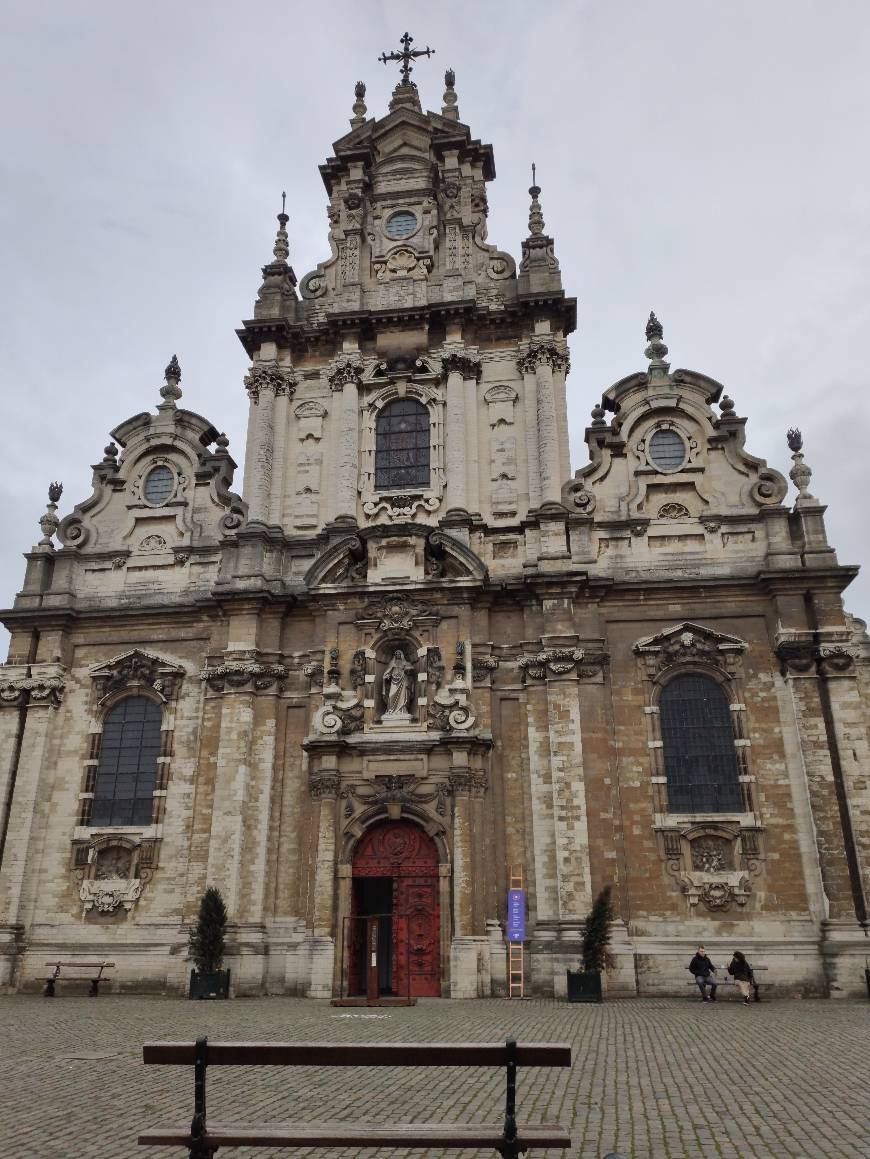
x=159 y=485
x=666 y=450
x=401 y=224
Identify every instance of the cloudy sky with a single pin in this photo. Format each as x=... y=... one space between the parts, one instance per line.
x=707 y=159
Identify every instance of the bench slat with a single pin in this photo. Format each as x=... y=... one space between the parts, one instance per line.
x=358 y=1135
x=345 y=1054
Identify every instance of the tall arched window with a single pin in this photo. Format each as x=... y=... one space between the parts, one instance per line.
x=700 y=758
x=402 y=445
x=126 y=774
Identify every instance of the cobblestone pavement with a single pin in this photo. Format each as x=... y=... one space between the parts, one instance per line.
x=650 y=1078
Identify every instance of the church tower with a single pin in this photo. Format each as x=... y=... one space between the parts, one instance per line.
x=418 y=658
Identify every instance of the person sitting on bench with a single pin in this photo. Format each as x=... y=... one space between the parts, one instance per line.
x=741 y=972
x=704 y=973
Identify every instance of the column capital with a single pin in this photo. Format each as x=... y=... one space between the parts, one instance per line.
x=41 y=685
x=345 y=370
x=543 y=351
x=269 y=377
x=459 y=359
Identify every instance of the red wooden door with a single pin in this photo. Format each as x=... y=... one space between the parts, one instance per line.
x=404 y=852
x=416 y=921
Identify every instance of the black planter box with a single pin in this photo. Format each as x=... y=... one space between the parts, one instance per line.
x=215 y=985
x=584 y=986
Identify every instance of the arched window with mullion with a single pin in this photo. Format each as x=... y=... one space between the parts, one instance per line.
x=126 y=775
x=698 y=740
x=402 y=442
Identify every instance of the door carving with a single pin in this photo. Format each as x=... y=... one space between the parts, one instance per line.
x=404 y=853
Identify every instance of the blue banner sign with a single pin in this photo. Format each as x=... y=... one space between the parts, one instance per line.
x=516 y=915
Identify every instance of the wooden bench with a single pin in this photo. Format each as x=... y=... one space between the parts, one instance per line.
x=728 y=981
x=204 y=1140
x=94 y=990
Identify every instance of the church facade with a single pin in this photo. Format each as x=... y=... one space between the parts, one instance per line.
x=418 y=657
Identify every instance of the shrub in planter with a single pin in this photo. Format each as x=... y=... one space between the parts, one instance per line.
x=206 y=944
x=585 y=985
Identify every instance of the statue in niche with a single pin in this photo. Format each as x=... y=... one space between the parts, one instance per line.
x=397 y=687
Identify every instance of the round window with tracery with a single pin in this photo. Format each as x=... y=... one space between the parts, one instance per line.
x=666 y=450
x=401 y=224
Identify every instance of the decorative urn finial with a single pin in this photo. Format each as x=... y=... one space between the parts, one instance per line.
x=654 y=328
x=49 y=522
x=656 y=350
x=450 y=106
x=800 y=474
x=171 y=391
x=281 y=248
x=359 y=105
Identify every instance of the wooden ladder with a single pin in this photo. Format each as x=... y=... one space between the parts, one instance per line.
x=516 y=963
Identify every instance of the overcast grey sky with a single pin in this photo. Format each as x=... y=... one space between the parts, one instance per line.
x=704 y=158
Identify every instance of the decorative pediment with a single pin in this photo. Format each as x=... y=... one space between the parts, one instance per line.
x=689 y=643
x=135 y=669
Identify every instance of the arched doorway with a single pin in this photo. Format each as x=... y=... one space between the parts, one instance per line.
x=395 y=892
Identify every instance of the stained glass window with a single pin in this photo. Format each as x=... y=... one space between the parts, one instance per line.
x=700 y=759
x=402 y=446
x=126 y=774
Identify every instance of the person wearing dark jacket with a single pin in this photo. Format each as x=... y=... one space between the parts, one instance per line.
x=741 y=972
x=704 y=973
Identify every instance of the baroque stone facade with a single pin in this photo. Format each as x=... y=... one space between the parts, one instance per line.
x=420 y=655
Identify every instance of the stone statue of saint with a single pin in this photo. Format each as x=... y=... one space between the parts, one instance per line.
x=398 y=686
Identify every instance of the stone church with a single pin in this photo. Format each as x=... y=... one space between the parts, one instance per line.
x=418 y=657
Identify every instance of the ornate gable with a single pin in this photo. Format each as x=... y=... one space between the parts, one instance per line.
x=134 y=669
x=688 y=644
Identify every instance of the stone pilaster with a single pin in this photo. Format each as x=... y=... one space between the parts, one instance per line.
x=38 y=691
x=461 y=369
x=544 y=357
x=265 y=381
x=798 y=658
x=571 y=833
x=324 y=786
x=345 y=377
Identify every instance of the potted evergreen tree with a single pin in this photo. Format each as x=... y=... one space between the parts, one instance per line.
x=206 y=943
x=585 y=985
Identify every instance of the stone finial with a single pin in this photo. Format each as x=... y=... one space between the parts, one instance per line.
x=450 y=107
x=536 y=217
x=598 y=416
x=656 y=350
x=359 y=105
x=49 y=522
x=110 y=455
x=800 y=474
x=281 y=248
x=171 y=391
x=654 y=328
x=726 y=406
x=222 y=441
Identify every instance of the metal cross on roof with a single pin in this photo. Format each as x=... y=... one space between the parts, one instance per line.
x=406 y=56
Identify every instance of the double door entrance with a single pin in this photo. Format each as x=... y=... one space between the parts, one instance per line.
x=393 y=932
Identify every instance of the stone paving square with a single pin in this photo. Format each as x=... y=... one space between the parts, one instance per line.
x=651 y=1078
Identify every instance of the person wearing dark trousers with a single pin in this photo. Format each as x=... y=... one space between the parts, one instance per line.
x=741 y=972
x=704 y=973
